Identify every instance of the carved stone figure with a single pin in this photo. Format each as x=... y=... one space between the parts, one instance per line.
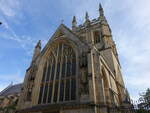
x=83 y=60
x=84 y=81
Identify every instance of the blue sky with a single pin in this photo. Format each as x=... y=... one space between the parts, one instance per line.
x=27 y=21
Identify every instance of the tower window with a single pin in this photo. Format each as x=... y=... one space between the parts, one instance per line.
x=96 y=37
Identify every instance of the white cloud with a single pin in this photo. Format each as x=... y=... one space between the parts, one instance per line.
x=140 y=11
x=10 y=7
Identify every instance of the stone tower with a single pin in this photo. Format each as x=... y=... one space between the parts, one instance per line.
x=78 y=71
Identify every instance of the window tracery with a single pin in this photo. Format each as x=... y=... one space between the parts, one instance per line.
x=59 y=76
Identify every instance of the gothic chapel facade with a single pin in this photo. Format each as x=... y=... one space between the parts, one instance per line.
x=78 y=71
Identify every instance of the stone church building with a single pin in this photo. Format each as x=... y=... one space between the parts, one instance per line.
x=78 y=71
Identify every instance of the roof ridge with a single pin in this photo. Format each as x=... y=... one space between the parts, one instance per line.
x=10 y=85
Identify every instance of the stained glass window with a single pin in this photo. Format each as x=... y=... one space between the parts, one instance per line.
x=60 y=74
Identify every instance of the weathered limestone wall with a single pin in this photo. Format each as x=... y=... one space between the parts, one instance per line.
x=84 y=110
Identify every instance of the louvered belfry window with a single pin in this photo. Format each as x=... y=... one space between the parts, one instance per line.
x=59 y=76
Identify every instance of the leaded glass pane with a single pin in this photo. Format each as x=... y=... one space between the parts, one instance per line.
x=63 y=69
x=61 y=91
x=56 y=92
x=58 y=69
x=48 y=73
x=68 y=68
x=44 y=73
x=45 y=93
x=53 y=71
x=73 y=89
x=40 y=96
x=67 y=90
x=74 y=67
x=50 y=92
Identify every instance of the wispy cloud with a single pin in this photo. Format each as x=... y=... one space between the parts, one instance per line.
x=9 y=7
x=26 y=42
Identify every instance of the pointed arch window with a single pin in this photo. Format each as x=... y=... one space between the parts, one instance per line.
x=59 y=76
x=97 y=37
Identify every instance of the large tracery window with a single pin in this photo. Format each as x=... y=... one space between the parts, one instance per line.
x=59 y=76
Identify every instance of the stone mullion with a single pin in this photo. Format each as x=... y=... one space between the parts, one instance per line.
x=77 y=76
x=100 y=98
x=94 y=96
x=44 y=84
x=93 y=93
x=102 y=81
x=70 y=74
x=65 y=78
x=46 y=78
x=49 y=81
x=103 y=90
x=61 y=61
x=51 y=61
x=55 y=75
